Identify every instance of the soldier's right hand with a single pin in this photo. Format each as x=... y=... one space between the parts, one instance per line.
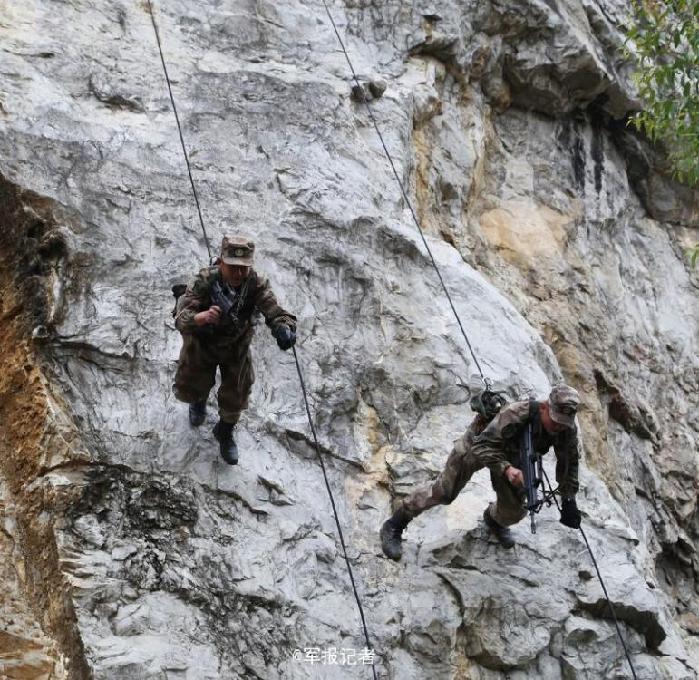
x=514 y=476
x=286 y=338
x=210 y=316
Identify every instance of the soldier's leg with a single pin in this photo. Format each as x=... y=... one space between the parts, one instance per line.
x=509 y=506
x=237 y=378
x=458 y=470
x=196 y=372
x=236 y=381
x=508 y=509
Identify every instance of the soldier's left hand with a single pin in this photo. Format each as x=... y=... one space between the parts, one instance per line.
x=514 y=476
x=570 y=515
x=286 y=338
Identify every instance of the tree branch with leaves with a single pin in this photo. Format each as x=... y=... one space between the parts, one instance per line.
x=664 y=41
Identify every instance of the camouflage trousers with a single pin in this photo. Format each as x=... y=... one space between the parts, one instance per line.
x=508 y=508
x=196 y=375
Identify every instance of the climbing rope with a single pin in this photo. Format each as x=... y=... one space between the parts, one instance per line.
x=405 y=195
x=332 y=502
x=609 y=602
x=296 y=360
x=458 y=319
x=599 y=576
x=179 y=129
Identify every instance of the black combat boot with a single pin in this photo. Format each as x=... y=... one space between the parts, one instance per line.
x=197 y=413
x=391 y=533
x=503 y=534
x=229 y=449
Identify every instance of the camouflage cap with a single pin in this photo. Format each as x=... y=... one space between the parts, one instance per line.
x=236 y=249
x=563 y=405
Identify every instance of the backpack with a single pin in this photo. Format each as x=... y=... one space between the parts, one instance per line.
x=177 y=290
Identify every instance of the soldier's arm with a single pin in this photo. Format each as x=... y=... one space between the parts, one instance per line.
x=465 y=442
x=194 y=300
x=489 y=446
x=275 y=315
x=567 y=450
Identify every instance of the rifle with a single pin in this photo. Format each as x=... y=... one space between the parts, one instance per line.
x=226 y=302
x=533 y=473
x=530 y=464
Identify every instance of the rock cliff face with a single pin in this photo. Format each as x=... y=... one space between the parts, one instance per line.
x=128 y=550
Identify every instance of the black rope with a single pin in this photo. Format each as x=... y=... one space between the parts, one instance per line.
x=405 y=195
x=458 y=319
x=611 y=606
x=332 y=502
x=334 y=507
x=179 y=129
x=298 y=367
x=604 y=588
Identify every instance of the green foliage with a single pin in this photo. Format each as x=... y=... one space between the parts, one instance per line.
x=693 y=255
x=664 y=39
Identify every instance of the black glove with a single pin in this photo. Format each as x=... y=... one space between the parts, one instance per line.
x=570 y=515
x=286 y=338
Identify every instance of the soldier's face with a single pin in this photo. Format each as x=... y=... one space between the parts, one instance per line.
x=233 y=274
x=550 y=425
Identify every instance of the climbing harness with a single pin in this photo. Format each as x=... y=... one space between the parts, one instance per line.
x=179 y=291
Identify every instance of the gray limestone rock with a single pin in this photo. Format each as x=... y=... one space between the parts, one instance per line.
x=149 y=558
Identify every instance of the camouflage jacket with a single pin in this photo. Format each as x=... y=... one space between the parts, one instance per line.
x=498 y=446
x=255 y=295
x=465 y=442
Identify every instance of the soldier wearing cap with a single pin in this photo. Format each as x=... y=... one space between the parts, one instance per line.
x=496 y=445
x=213 y=338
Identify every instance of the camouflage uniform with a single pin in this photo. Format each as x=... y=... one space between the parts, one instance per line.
x=226 y=345
x=497 y=447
